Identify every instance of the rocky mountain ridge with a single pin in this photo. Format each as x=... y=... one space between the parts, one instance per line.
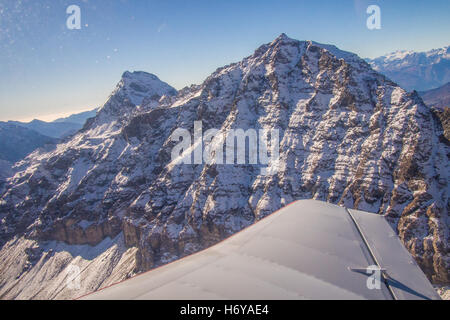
x=111 y=201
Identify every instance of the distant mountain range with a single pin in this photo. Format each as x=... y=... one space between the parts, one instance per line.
x=78 y=118
x=60 y=128
x=426 y=72
x=19 y=139
x=415 y=70
x=438 y=98
x=16 y=141
x=50 y=129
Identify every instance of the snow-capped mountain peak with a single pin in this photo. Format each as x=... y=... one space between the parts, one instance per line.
x=138 y=85
x=348 y=136
x=130 y=92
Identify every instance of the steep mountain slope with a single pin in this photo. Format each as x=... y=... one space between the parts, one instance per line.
x=416 y=70
x=17 y=142
x=348 y=136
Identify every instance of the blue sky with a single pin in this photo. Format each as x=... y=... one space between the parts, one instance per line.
x=47 y=70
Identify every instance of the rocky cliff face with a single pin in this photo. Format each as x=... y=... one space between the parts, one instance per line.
x=111 y=199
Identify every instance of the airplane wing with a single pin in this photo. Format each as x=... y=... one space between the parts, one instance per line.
x=307 y=250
